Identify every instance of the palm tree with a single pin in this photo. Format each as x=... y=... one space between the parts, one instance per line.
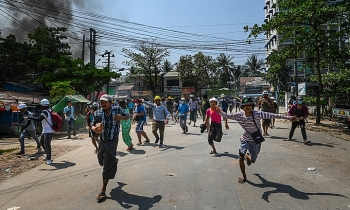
x=225 y=66
x=253 y=65
x=237 y=74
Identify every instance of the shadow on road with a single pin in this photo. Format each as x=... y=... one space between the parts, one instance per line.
x=230 y=155
x=61 y=165
x=276 y=137
x=167 y=147
x=283 y=188
x=127 y=200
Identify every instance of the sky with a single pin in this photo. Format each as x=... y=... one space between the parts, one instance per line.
x=219 y=18
x=185 y=23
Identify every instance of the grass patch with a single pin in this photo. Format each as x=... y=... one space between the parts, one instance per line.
x=3 y=151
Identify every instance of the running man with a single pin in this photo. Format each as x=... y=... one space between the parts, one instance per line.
x=160 y=119
x=140 y=119
x=245 y=119
x=183 y=112
x=265 y=104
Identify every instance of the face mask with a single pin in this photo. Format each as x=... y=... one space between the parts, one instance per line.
x=300 y=101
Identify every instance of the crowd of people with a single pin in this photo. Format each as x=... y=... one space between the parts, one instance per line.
x=106 y=118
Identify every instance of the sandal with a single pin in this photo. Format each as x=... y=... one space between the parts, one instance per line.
x=147 y=141
x=139 y=143
x=242 y=180
x=101 y=196
x=129 y=148
x=287 y=140
x=213 y=152
x=306 y=142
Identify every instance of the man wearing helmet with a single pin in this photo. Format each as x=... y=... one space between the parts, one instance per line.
x=249 y=120
x=160 y=118
x=90 y=119
x=28 y=128
x=46 y=136
x=193 y=105
x=265 y=104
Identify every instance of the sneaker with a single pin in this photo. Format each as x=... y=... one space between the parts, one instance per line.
x=157 y=140
x=161 y=143
x=48 y=162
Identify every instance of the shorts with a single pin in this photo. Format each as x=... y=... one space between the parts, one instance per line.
x=93 y=134
x=139 y=126
x=266 y=122
x=250 y=146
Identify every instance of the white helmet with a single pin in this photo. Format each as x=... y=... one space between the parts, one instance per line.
x=183 y=99
x=265 y=92
x=22 y=106
x=191 y=96
x=44 y=102
x=213 y=99
x=222 y=95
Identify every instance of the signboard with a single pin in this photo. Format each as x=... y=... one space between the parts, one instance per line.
x=302 y=89
x=188 y=90
x=253 y=89
x=141 y=93
x=171 y=89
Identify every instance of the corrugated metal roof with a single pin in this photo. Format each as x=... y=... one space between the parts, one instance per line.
x=172 y=73
x=125 y=87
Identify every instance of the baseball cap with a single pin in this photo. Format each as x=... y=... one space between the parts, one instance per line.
x=105 y=97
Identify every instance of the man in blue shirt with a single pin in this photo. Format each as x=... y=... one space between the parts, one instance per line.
x=69 y=115
x=160 y=118
x=183 y=111
x=109 y=129
x=140 y=119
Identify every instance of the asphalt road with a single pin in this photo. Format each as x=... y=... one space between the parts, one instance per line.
x=183 y=175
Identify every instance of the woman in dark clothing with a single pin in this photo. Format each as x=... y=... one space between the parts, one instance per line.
x=300 y=111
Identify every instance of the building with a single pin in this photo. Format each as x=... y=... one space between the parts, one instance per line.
x=172 y=84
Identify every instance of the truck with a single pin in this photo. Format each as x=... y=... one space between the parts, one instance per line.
x=341 y=109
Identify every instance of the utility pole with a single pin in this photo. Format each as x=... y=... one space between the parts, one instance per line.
x=108 y=53
x=83 y=52
x=92 y=47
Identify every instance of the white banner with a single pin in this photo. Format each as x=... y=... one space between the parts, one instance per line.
x=302 y=89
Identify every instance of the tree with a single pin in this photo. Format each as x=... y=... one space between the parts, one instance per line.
x=195 y=70
x=167 y=66
x=225 y=66
x=237 y=74
x=15 y=61
x=81 y=78
x=313 y=26
x=253 y=65
x=147 y=62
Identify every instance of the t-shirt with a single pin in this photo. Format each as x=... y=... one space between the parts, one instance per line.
x=205 y=105
x=183 y=109
x=139 y=109
x=224 y=104
x=214 y=116
x=45 y=122
x=131 y=105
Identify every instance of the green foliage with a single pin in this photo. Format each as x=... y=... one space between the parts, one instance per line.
x=225 y=69
x=196 y=70
x=147 y=62
x=312 y=26
x=253 y=65
x=59 y=89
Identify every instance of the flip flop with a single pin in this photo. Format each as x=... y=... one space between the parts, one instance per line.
x=102 y=196
x=147 y=141
x=307 y=142
x=287 y=139
x=242 y=180
x=213 y=152
x=139 y=143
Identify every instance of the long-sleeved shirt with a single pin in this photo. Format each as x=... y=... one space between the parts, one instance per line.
x=247 y=121
x=293 y=109
x=159 y=112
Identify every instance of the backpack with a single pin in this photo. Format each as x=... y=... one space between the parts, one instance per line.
x=56 y=121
